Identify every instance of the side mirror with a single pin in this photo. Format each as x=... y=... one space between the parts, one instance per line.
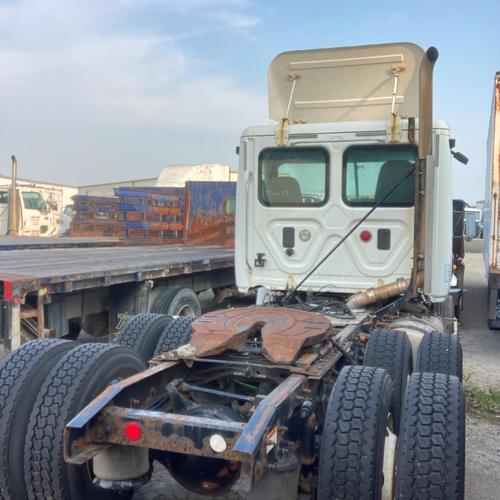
x=460 y=157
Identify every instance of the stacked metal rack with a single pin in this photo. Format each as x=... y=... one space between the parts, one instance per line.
x=132 y=214
x=201 y=213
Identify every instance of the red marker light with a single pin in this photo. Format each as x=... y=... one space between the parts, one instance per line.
x=132 y=431
x=7 y=290
x=365 y=236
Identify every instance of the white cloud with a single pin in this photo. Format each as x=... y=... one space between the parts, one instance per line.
x=79 y=80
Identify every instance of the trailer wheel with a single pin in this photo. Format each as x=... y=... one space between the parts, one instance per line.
x=22 y=373
x=177 y=333
x=142 y=332
x=391 y=349
x=440 y=353
x=177 y=301
x=353 y=439
x=431 y=447
x=72 y=383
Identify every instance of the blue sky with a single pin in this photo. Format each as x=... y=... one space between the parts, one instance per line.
x=96 y=90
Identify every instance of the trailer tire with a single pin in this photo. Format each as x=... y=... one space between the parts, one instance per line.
x=353 y=438
x=391 y=350
x=142 y=332
x=440 y=353
x=431 y=446
x=177 y=333
x=494 y=324
x=22 y=373
x=73 y=382
x=177 y=300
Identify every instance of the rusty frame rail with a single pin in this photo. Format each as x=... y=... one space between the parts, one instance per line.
x=102 y=424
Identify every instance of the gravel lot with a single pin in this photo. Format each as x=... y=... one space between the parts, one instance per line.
x=481 y=361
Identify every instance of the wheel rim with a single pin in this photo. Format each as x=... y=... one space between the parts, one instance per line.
x=389 y=466
x=186 y=310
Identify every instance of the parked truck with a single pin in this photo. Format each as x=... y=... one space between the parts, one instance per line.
x=37 y=216
x=61 y=287
x=341 y=381
x=491 y=211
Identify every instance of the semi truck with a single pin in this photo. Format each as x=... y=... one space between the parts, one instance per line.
x=491 y=212
x=341 y=381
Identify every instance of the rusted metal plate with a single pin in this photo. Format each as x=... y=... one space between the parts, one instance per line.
x=284 y=331
x=210 y=213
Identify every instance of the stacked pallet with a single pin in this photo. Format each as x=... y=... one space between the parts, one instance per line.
x=151 y=213
x=94 y=216
x=201 y=213
x=133 y=214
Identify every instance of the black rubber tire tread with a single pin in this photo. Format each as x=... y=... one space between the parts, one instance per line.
x=142 y=332
x=22 y=373
x=391 y=350
x=177 y=333
x=440 y=353
x=164 y=302
x=431 y=446
x=353 y=437
x=73 y=382
x=493 y=324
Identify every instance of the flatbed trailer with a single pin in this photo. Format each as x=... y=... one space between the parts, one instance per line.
x=57 y=290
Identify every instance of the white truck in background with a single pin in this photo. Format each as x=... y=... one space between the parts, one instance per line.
x=491 y=247
x=37 y=215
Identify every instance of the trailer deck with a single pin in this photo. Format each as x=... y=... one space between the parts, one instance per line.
x=36 y=242
x=43 y=286
x=71 y=269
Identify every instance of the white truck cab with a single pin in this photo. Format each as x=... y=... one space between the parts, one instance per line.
x=36 y=216
x=346 y=140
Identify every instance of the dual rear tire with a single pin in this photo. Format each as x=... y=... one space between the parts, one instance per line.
x=149 y=335
x=357 y=454
x=45 y=383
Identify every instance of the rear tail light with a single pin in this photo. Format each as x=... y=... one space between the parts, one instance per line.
x=7 y=290
x=365 y=236
x=132 y=431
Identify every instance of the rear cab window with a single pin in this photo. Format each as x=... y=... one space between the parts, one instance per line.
x=371 y=172
x=293 y=177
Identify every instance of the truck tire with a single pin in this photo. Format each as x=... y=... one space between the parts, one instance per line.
x=22 y=373
x=142 y=332
x=177 y=333
x=431 y=446
x=494 y=324
x=353 y=438
x=73 y=382
x=391 y=350
x=177 y=300
x=440 y=353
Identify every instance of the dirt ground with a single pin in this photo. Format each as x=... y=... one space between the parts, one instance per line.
x=481 y=361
